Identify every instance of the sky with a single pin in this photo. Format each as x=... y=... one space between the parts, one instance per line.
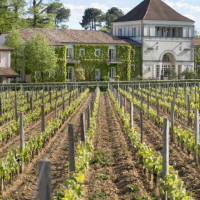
x=188 y=8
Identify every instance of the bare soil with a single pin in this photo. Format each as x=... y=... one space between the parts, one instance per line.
x=121 y=177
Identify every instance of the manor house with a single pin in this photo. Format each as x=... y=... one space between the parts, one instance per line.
x=147 y=41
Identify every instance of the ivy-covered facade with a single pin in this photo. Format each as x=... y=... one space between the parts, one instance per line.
x=103 y=61
x=197 y=55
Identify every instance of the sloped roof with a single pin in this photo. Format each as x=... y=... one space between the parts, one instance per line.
x=64 y=36
x=4 y=48
x=197 y=41
x=8 y=72
x=153 y=10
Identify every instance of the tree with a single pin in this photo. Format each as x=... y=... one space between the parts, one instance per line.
x=79 y=74
x=111 y=15
x=14 y=41
x=60 y=13
x=92 y=18
x=40 y=17
x=11 y=14
x=40 y=57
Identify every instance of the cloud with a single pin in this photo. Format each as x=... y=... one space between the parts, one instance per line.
x=184 y=5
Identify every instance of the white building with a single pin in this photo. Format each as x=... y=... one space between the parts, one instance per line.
x=6 y=73
x=165 y=35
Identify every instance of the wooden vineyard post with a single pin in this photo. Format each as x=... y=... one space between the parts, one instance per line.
x=124 y=104
x=63 y=103
x=44 y=186
x=43 y=118
x=141 y=126
x=120 y=101
x=69 y=99
x=56 y=112
x=148 y=101
x=172 y=120
x=188 y=105
x=50 y=97
x=165 y=150
x=16 y=114
x=83 y=127
x=131 y=114
x=31 y=103
x=196 y=128
x=22 y=140
x=71 y=148
x=141 y=96
x=88 y=117
x=157 y=105
x=0 y=106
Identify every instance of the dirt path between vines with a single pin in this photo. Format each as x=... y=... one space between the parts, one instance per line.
x=184 y=163
x=24 y=185
x=117 y=175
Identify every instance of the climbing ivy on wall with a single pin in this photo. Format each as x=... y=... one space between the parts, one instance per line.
x=61 y=74
x=90 y=61
x=196 y=59
x=137 y=61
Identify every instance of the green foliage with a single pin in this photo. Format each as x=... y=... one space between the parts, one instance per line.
x=60 y=13
x=188 y=74
x=92 y=18
x=79 y=74
x=90 y=61
x=111 y=15
x=102 y=158
x=10 y=14
x=61 y=73
x=14 y=40
x=39 y=57
x=171 y=73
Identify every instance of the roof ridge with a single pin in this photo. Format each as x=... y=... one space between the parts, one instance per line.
x=147 y=9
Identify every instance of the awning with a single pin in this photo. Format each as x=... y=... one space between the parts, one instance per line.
x=8 y=72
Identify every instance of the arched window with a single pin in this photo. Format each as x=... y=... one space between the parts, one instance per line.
x=166 y=58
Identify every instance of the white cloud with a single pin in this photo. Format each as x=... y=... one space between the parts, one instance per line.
x=78 y=11
x=183 y=5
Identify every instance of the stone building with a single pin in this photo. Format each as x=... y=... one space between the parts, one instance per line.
x=166 y=37
x=148 y=41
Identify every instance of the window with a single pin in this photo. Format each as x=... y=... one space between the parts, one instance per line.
x=132 y=68
x=69 y=73
x=98 y=52
x=120 y=32
x=112 y=72
x=166 y=58
x=112 y=54
x=82 y=52
x=70 y=53
x=134 y=31
x=132 y=52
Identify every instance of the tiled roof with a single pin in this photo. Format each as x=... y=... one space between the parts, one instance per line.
x=153 y=10
x=8 y=72
x=197 y=41
x=64 y=36
x=4 y=48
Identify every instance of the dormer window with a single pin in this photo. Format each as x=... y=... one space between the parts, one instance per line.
x=82 y=52
x=98 y=52
x=132 y=53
